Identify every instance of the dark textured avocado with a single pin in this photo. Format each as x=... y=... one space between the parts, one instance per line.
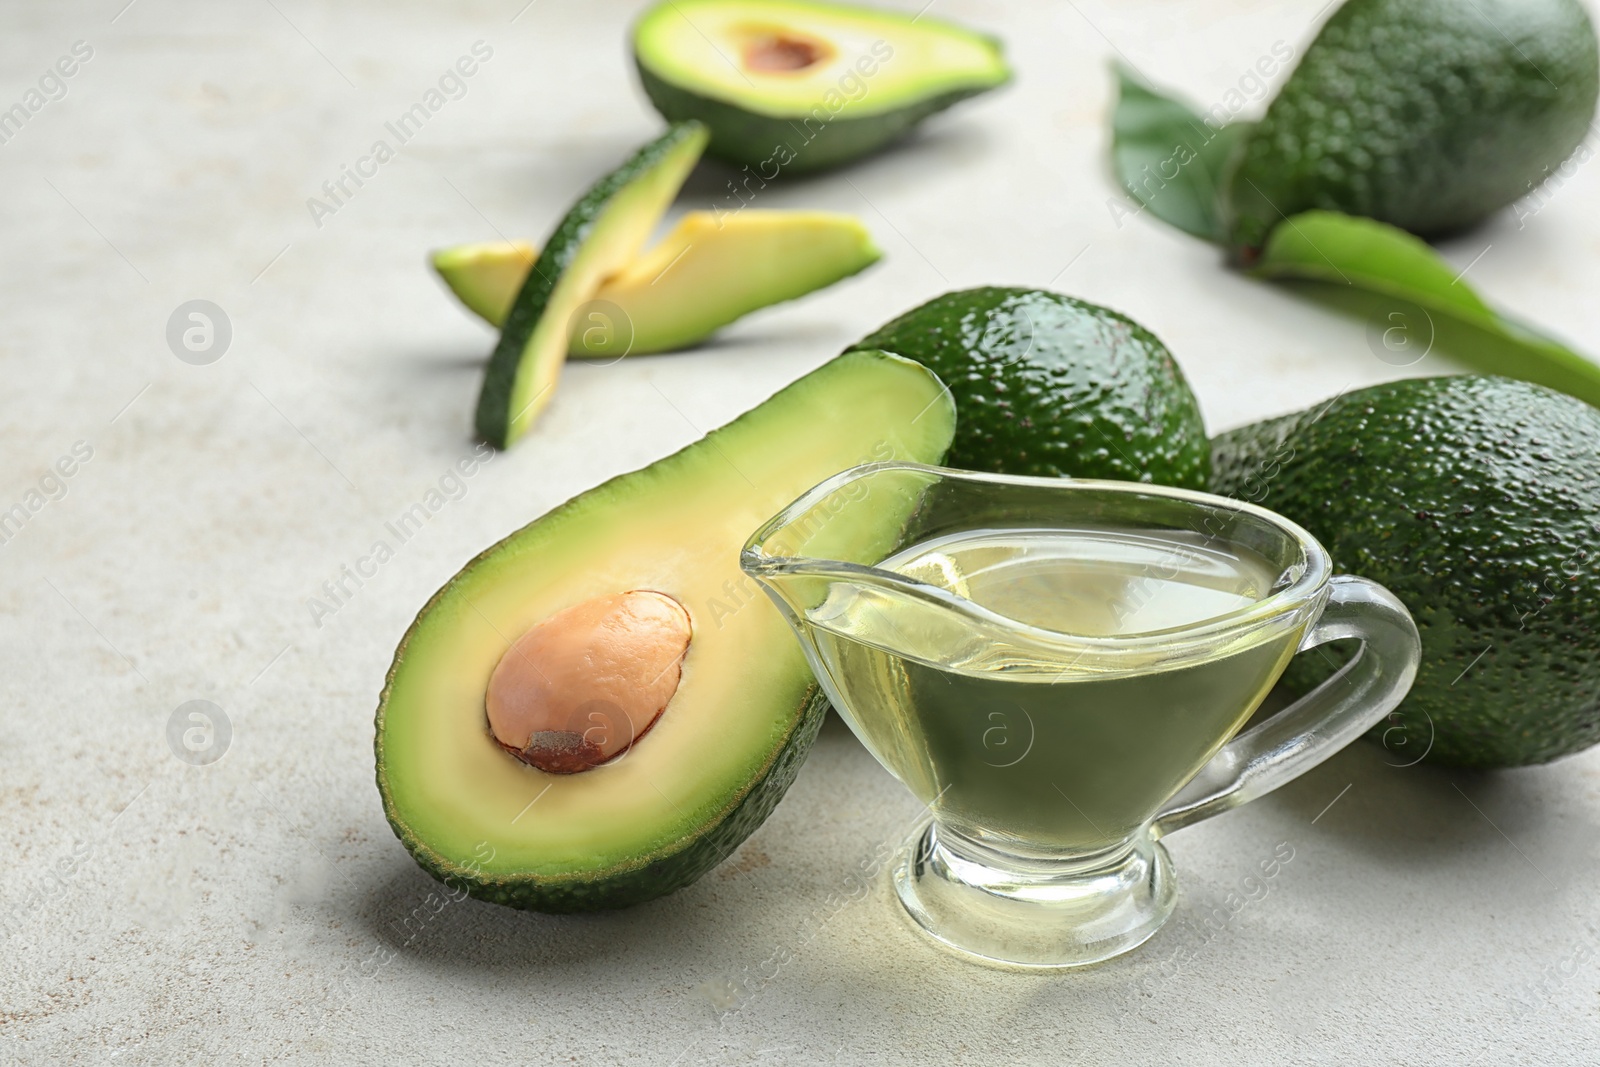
x=1426 y=114
x=1048 y=385
x=1476 y=501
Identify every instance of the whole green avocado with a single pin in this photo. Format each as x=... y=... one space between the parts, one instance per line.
x=1047 y=385
x=1426 y=114
x=1476 y=501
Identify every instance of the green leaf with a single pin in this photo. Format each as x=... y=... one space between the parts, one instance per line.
x=1415 y=300
x=1168 y=158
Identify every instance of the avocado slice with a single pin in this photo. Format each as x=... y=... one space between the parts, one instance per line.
x=703 y=275
x=1425 y=114
x=600 y=234
x=797 y=85
x=664 y=810
x=1476 y=501
x=1048 y=385
x=486 y=275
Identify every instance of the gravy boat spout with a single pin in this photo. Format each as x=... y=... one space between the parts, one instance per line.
x=817 y=559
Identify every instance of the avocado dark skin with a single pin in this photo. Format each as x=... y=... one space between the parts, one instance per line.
x=1047 y=385
x=1425 y=114
x=1476 y=501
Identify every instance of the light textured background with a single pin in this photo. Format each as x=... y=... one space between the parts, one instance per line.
x=252 y=911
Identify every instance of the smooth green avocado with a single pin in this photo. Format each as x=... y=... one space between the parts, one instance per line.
x=599 y=235
x=1476 y=501
x=745 y=710
x=706 y=273
x=1425 y=114
x=797 y=85
x=1048 y=385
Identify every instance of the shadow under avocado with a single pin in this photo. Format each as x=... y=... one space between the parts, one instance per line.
x=1412 y=812
x=439 y=927
x=694 y=932
x=435 y=363
x=1399 y=804
x=719 y=186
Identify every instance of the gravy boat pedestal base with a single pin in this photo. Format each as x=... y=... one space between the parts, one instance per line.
x=1033 y=913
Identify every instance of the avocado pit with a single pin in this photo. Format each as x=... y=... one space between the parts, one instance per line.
x=584 y=685
x=782 y=51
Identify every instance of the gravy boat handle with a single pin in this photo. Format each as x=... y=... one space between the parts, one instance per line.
x=1323 y=721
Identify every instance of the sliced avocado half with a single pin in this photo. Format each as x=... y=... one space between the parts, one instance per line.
x=651 y=811
x=600 y=234
x=795 y=85
x=706 y=273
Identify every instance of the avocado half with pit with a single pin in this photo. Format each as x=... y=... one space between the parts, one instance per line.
x=600 y=708
x=599 y=235
x=793 y=85
x=706 y=273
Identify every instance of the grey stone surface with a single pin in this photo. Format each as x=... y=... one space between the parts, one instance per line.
x=163 y=907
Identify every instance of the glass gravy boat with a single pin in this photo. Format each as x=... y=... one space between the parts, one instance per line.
x=1057 y=668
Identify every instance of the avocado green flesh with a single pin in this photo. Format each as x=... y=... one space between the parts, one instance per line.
x=599 y=235
x=709 y=272
x=705 y=274
x=1426 y=114
x=1047 y=385
x=1476 y=501
x=486 y=275
x=876 y=75
x=732 y=736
